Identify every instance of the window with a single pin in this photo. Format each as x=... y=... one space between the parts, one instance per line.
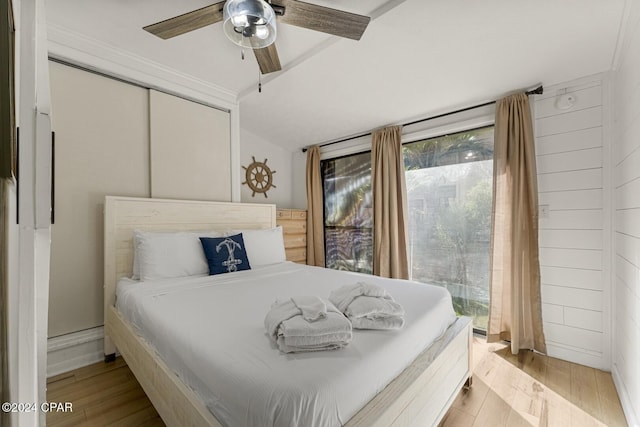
x=348 y=213
x=449 y=195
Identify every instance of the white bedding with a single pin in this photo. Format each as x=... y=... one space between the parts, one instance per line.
x=209 y=330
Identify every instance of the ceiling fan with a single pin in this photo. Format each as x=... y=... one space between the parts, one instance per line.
x=252 y=24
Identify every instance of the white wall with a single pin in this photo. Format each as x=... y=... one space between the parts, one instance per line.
x=299 y=171
x=29 y=244
x=13 y=300
x=571 y=151
x=278 y=159
x=626 y=195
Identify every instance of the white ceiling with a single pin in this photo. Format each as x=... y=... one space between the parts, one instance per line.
x=419 y=58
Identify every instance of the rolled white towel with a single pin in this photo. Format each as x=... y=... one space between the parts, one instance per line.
x=345 y=295
x=279 y=312
x=374 y=308
x=312 y=308
x=368 y=306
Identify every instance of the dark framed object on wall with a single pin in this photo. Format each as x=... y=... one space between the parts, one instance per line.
x=8 y=158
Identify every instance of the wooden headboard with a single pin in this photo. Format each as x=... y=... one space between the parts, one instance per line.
x=123 y=215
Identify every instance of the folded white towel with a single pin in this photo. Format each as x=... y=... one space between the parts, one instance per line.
x=345 y=295
x=283 y=347
x=313 y=308
x=298 y=335
x=395 y=322
x=368 y=306
x=287 y=327
x=374 y=308
x=279 y=312
x=310 y=341
x=335 y=322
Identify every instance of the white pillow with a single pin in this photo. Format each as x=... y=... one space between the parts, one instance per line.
x=158 y=255
x=264 y=246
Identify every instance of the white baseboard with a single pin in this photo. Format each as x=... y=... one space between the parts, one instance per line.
x=71 y=351
x=576 y=355
x=625 y=400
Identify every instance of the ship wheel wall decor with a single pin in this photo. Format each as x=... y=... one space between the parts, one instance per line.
x=259 y=177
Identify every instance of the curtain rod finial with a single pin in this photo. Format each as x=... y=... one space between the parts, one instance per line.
x=537 y=91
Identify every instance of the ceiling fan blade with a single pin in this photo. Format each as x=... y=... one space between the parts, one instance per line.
x=187 y=22
x=268 y=59
x=324 y=19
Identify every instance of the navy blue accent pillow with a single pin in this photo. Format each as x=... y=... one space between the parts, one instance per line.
x=225 y=254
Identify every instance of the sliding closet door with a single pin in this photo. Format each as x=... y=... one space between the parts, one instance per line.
x=190 y=149
x=101 y=147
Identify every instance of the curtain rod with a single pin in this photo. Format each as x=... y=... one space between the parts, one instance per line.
x=536 y=91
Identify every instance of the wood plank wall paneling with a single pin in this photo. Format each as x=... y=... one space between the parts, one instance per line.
x=294 y=229
x=626 y=236
x=572 y=278
x=578 y=140
x=569 y=150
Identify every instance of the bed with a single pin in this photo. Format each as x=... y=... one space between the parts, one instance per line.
x=419 y=395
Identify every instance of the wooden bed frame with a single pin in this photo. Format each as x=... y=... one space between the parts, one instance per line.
x=420 y=395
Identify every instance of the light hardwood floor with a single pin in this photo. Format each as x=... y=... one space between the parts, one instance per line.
x=524 y=390
x=103 y=394
x=533 y=390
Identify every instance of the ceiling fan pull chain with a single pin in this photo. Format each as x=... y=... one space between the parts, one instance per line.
x=259 y=82
x=242 y=54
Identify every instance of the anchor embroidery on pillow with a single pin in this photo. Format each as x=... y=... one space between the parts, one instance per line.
x=232 y=262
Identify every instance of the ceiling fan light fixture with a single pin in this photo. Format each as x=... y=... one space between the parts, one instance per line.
x=249 y=23
x=239 y=21
x=262 y=32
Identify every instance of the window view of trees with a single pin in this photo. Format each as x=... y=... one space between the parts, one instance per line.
x=348 y=213
x=449 y=191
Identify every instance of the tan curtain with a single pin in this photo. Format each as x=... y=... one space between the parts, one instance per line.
x=315 y=220
x=515 y=310
x=389 y=204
